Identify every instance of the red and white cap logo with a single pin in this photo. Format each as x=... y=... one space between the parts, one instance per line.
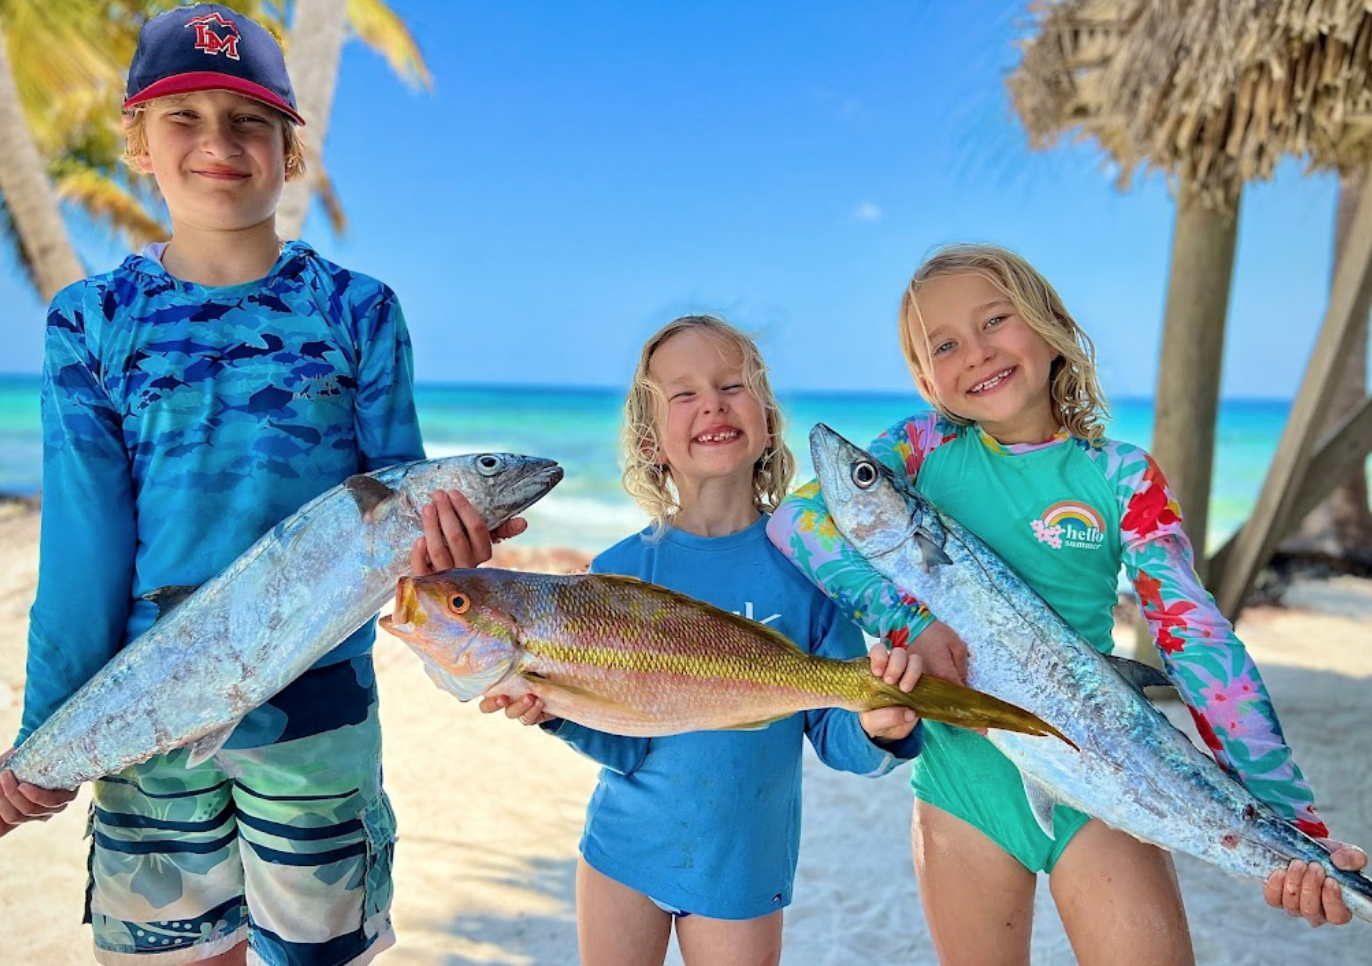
x=210 y=41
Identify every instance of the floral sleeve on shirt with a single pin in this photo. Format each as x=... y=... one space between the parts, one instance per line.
x=803 y=531
x=1209 y=665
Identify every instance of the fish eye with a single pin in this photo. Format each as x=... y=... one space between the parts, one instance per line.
x=459 y=603
x=488 y=465
x=864 y=475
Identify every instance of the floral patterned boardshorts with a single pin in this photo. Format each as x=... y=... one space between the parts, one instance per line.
x=284 y=838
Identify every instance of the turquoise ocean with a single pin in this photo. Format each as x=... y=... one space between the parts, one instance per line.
x=580 y=429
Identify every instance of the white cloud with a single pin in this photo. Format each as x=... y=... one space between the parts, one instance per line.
x=867 y=211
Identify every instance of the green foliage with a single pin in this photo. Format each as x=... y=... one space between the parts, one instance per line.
x=69 y=60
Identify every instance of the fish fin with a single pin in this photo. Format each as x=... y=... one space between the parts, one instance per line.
x=369 y=493
x=471 y=685
x=577 y=691
x=931 y=554
x=168 y=598
x=1041 y=802
x=204 y=747
x=1138 y=674
x=687 y=602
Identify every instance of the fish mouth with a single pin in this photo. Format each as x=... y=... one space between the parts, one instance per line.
x=531 y=486
x=405 y=619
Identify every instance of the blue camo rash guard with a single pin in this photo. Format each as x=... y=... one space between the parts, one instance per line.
x=709 y=822
x=181 y=422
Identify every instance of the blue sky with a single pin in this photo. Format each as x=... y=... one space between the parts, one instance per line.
x=583 y=172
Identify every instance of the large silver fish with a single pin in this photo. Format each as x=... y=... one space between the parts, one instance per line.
x=289 y=599
x=1133 y=769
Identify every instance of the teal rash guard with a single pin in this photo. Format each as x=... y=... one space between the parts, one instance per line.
x=1067 y=514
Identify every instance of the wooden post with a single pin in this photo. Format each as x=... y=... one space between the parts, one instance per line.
x=1342 y=452
x=1341 y=524
x=1188 y=387
x=1352 y=279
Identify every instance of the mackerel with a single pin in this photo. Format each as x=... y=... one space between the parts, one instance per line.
x=219 y=651
x=1131 y=768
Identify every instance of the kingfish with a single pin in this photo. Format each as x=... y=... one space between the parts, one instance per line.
x=219 y=651
x=1130 y=767
x=632 y=658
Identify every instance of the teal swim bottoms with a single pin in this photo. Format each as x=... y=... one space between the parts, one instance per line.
x=286 y=844
x=962 y=773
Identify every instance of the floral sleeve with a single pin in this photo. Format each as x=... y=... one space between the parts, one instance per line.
x=1209 y=665
x=803 y=531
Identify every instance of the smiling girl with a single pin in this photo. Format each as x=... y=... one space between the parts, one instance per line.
x=1014 y=450
x=702 y=830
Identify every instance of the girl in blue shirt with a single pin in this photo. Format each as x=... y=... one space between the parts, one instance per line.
x=703 y=829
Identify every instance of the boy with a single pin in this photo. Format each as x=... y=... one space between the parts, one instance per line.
x=192 y=398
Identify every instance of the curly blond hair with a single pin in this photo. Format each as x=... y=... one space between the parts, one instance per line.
x=1077 y=400
x=136 y=139
x=647 y=479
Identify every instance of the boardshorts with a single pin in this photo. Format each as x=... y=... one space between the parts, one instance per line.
x=283 y=838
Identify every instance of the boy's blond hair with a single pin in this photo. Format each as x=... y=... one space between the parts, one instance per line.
x=136 y=137
x=1077 y=400
x=646 y=477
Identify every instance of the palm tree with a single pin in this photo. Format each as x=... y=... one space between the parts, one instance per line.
x=62 y=81
x=44 y=247
x=1271 y=79
x=79 y=61
x=316 y=41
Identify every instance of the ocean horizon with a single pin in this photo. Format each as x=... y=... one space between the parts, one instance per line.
x=579 y=427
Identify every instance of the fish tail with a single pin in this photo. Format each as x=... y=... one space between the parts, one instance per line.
x=940 y=700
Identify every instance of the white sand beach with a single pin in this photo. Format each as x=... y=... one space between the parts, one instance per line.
x=490 y=814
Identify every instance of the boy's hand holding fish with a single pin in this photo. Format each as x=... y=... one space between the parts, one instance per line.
x=455 y=535
x=21 y=802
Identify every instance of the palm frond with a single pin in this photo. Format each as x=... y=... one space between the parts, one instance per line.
x=380 y=28
x=108 y=203
x=1216 y=93
x=327 y=196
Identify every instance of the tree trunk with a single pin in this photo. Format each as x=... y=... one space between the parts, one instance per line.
x=316 y=43
x=1188 y=389
x=1285 y=480
x=33 y=209
x=1341 y=526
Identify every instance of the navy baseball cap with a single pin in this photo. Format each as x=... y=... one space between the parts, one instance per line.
x=209 y=47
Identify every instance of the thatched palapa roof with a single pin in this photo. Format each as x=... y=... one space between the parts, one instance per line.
x=1214 y=91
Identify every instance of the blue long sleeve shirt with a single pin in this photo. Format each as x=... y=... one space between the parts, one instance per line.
x=709 y=822
x=181 y=422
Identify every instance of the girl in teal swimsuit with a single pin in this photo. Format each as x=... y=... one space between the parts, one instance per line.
x=1015 y=452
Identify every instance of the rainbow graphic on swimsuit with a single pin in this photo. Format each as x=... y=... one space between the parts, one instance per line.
x=1070 y=523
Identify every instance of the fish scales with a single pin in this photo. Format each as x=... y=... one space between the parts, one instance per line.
x=1133 y=769
x=290 y=598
